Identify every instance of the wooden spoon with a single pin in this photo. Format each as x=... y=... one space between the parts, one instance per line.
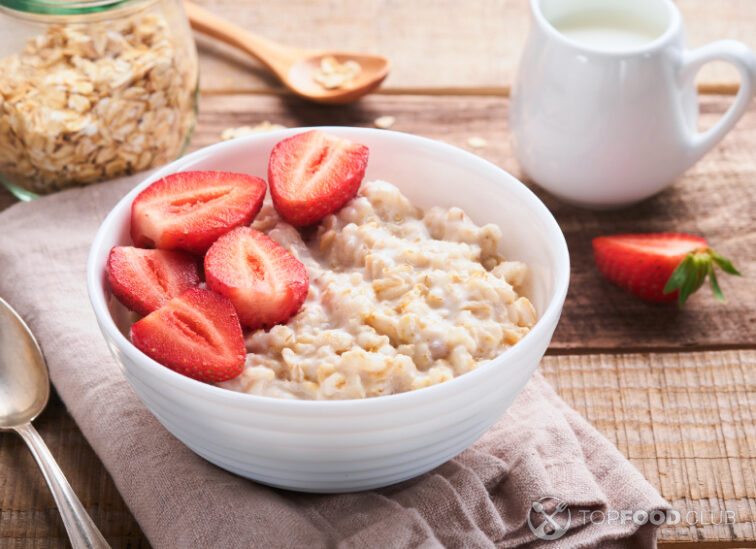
x=295 y=67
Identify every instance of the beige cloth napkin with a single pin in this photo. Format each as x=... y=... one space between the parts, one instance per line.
x=480 y=499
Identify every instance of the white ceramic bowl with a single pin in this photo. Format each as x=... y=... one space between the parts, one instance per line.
x=339 y=446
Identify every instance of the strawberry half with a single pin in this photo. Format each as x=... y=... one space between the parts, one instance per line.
x=145 y=280
x=313 y=174
x=266 y=284
x=190 y=210
x=196 y=334
x=660 y=266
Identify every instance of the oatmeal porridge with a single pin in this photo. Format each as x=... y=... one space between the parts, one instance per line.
x=399 y=299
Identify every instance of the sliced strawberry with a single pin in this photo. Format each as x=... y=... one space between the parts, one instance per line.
x=196 y=334
x=266 y=284
x=145 y=280
x=190 y=210
x=313 y=174
x=660 y=266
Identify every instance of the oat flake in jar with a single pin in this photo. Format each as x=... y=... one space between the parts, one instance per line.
x=92 y=90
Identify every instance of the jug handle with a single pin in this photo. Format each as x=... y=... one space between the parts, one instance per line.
x=737 y=54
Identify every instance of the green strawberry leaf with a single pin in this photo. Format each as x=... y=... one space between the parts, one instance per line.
x=691 y=283
x=680 y=274
x=714 y=283
x=724 y=263
x=692 y=271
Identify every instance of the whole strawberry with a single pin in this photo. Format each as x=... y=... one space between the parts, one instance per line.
x=660 y=267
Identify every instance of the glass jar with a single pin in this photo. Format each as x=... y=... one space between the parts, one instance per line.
x=92 y=90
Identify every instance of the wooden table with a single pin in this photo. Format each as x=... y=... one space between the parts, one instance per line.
x=675 y=390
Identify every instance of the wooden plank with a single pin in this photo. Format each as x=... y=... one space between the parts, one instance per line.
x=28 y=515
x=716 y=199
x=459 y=45
x=698 y=456
x=687 y=421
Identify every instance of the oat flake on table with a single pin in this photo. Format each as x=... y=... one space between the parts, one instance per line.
x=241 y=131
x=477 y=142
x=384 y=122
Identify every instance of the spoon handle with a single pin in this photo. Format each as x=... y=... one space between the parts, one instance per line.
x=276 y=57
x=81 y=530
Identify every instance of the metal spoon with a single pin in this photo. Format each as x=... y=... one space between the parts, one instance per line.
x=295 y=67
x=24 y=390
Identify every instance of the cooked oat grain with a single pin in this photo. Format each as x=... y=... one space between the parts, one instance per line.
x=399 y=300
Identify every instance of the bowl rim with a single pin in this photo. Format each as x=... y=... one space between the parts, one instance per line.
x=546 y=322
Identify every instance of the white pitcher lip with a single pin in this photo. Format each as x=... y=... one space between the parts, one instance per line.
x=673 y=29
